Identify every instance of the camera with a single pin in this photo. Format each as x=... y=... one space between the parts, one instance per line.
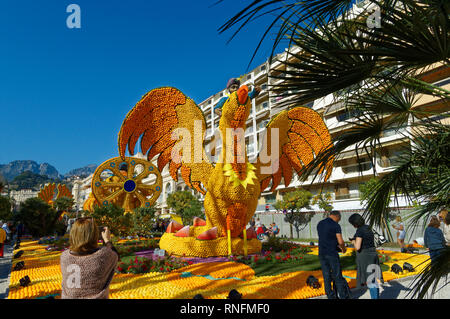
x=100 y=231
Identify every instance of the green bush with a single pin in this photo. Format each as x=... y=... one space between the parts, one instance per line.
x=277 y=244
x=113 y=217
x=131 y=247
x=5 y=209
x=139 y=265
x=39 y=218
x=142 y=221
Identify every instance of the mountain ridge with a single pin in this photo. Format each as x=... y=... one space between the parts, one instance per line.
x=17 y=167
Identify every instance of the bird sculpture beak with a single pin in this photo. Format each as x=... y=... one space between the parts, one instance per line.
x=242 y=94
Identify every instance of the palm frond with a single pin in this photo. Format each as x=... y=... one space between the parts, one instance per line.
x=282 y=10
x=431 y=275
x=343 y=53
x=422 y=176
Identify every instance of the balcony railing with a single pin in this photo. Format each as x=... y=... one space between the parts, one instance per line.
x=347 y=196
x=354 y=168
x=388 y=162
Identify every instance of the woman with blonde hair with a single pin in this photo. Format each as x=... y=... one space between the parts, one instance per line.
x=401 y=233
x=87 y=269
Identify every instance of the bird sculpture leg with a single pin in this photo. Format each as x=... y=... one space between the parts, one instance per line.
x=229 y=236
x=235 y=221
x=245 y=242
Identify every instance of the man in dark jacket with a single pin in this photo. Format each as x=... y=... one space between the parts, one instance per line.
x=330 y=241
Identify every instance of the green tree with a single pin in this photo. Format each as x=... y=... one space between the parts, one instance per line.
x=186 y=205
x=366 y=191
x=63 y=204
x=142 y=220
x=5 y=208
x=30 y=180
x=323 y=201
x=114 y=218
x=39 y=218
x=374 y=70
x=291 y=205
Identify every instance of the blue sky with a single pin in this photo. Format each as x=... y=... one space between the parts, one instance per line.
x=65 y=92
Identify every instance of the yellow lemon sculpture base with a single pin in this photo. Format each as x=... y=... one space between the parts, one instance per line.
x=193 y=247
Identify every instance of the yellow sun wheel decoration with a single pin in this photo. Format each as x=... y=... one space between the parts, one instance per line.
x=128 y=183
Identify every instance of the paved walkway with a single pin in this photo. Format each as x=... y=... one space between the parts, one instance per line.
x=5 y=271
x=400 y=289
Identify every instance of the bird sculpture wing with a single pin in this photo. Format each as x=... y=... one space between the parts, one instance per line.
x=171 y=126
x=47 y=193
x=298 y=135
x=63 y=191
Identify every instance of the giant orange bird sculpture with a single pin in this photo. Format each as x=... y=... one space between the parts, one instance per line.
x=171 y=127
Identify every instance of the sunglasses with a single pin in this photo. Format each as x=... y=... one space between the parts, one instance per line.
x=82 y=219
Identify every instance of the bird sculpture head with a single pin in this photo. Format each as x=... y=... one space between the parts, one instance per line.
x=236 y=110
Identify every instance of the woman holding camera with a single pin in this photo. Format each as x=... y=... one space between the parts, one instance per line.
x=368 y=271
x=87 y=270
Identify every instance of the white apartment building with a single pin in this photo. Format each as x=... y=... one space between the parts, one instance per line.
x=20 y=196
x=345 y=178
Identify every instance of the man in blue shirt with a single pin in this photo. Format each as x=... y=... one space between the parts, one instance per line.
x=330 y=240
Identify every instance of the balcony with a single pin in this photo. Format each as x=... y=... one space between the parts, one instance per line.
x=262 y=71
x=354 y=168
x=346 y=196
x=387 y=164
x=351 y=171
x=333 y=108
x=262 y=107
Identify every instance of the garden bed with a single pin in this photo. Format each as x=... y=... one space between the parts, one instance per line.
x=274 y=274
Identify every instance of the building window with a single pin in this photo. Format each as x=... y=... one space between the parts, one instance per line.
x=347 y=115
x=355 y=168
x=442 y=82
x=261 y=125
x=270 y=199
